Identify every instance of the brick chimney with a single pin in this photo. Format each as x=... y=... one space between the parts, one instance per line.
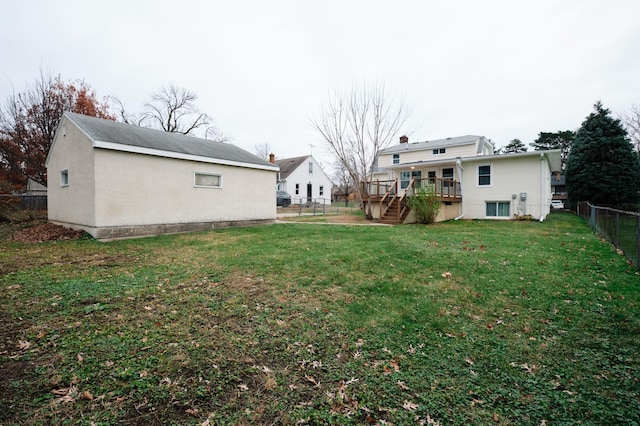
x=272 y=158
x=404 y=139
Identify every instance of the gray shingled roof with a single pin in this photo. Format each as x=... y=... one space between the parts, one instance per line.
x=101 y=130
x=438 y=143
x=288 y=165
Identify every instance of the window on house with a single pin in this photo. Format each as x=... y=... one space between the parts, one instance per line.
x=321 y=189
x=435 y=152
x=310 y=167
x=405 y=178
x=64 y=178
x=484 y=175
x=206 y=180
x=297 y=189
x=439 y=151
x=498 y=208
x=396 y=158
x=447 y=177
x=443 y=150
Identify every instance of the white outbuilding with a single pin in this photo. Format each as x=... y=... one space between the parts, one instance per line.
x=115 y=180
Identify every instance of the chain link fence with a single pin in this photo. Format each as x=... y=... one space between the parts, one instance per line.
x=317 y=207
x=621 y=228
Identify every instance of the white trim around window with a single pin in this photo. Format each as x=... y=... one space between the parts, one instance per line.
x=64 y=178
x=498 y=209
x=207 y=180
x=484 y=175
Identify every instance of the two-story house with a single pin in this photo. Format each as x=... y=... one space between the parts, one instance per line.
x=472 y=181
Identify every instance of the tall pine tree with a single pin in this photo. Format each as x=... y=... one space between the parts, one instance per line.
x=602 y=166
x=559 y=140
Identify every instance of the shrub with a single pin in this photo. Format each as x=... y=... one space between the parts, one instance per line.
x=425 y=203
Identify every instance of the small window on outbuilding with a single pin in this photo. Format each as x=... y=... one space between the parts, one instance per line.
x=310 y=167
x=321 y=189
x=297 y=189
x=64 y=178
x=207 y=180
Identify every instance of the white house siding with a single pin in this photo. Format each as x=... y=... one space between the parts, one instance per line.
x=72 y=204
x=148 y=190
x=510 y=176
x=410 y=156
x=302 y=177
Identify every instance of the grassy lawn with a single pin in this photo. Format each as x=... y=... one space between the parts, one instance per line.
x=469 y=322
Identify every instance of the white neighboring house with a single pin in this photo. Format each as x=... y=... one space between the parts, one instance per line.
x=472 y=181
x=114 y=180
x=304 y=179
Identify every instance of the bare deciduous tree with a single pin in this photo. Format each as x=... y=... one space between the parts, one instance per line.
x=357 y=124
x=173 y=109
x=263 y=150
x=344 y=183
x=631 y=121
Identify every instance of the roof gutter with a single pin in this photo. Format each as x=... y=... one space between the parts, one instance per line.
x=543 y=199
x=461 y=169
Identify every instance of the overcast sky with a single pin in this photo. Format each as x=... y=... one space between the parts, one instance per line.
x=501 y=69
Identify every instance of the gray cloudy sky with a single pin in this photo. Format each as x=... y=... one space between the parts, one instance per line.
x=503 y=69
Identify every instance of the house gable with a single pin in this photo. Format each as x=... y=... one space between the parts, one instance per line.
x=298 y=175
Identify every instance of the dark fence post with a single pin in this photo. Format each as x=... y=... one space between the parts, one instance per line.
x=616 y=236
x=638 y=242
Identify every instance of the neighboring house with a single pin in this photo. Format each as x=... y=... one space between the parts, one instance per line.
x=115 y=180
x=304 y=179
x=558 y=186
x=472 y=181
x=35 y=188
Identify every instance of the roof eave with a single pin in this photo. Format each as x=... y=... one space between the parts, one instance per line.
x=169 y=154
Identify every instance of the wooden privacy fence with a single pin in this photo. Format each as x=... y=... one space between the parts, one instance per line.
x=619 y=227
x=24 y=202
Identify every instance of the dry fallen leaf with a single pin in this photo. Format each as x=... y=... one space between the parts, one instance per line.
x=23 y=345
x=410 y=406
x=87 y=396
x=447 y=275
x=243 y=387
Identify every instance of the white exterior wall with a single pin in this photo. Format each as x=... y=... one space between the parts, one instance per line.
x=302 y=177
x=135 y=189
x=72 y=204
x=509 y=176
x=468 y=150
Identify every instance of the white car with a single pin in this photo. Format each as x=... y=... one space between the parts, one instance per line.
x=557 y=204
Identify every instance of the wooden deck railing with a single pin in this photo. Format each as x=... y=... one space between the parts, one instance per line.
x=444 y=187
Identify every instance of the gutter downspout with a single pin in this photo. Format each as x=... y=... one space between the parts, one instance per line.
x=461 y=169
x=543 y=203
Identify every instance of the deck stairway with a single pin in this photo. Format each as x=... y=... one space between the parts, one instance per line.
x=396 y=213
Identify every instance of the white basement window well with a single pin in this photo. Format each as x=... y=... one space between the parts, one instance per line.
x=207 y=180
x=64 y=178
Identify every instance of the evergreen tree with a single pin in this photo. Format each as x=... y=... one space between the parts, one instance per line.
x=514 y=146
x=602 y=166
x=559 y=140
